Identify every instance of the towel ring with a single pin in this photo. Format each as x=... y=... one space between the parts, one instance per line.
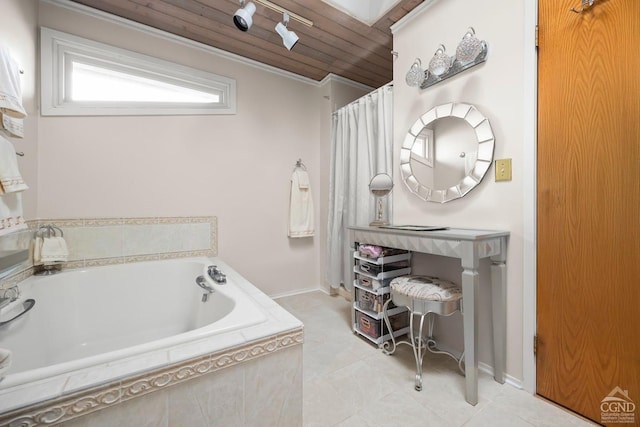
x=50 y=231
x=300 y=165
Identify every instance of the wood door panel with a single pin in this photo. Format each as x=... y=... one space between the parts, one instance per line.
x=588 y=292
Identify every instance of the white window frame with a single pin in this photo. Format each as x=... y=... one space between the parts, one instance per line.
x=58 y=50
x=422 y=149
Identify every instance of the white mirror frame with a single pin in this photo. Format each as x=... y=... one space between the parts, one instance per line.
x=486 y=142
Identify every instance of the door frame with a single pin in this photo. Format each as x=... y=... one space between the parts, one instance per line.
x=530 y=176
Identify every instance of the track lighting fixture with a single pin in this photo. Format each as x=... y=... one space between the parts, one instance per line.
x=289 y=38
x=243 y=18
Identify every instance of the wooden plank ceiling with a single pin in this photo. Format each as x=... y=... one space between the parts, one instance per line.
x=336 y=43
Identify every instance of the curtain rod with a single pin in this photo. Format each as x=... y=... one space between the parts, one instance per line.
x=387 y=86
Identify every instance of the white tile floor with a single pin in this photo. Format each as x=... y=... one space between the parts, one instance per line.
x=348 y=382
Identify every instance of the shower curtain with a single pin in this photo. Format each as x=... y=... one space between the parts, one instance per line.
x=361 y=147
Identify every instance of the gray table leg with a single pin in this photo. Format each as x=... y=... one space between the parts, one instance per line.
x=499 y=315
x=470 y=283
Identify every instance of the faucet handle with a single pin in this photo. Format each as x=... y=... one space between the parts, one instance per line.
x=9 y=295
x=12 y=293
x=216 y=274
x=212 y=270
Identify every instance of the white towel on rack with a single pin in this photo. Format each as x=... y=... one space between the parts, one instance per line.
x=10 y=89
x=54 y=250
x=301 y=223
x=11 y=218
x=303 y=178
x=10 y=178
x=12 y=126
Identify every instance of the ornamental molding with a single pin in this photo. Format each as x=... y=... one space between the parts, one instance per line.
x=78 y=404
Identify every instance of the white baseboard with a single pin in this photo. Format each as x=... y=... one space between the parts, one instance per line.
x=332 y=292
x=486 y=368
x=297 y=292
x=508 y=379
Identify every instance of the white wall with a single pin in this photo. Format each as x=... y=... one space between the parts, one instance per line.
x=234 y=167
x=496 y=89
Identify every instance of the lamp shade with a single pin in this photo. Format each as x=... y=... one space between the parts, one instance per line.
x=243 y=18
x=289 y=38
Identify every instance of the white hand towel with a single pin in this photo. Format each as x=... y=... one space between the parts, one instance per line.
x=10 y=179
x=54 y=250
x=301 y=222
x=5 y=360
x=11 y=218
x=37 y=251
x=303 y=178
x=10 y=89
x=12 y=126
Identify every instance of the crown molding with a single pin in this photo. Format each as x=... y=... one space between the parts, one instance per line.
x=329 y=78
x=410 y=16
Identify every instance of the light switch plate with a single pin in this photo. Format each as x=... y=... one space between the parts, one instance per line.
x=503 y=170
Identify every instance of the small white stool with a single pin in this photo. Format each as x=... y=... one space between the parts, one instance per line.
x=422 y=295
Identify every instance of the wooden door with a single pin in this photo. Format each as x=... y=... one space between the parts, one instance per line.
x=588 y=278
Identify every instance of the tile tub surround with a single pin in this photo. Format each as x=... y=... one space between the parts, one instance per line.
x=95 y=242
x=66 y=396
x=103 y=241
x=261 y=384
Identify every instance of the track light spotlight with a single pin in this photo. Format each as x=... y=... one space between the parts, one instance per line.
x=289 y=38
x=243 y=18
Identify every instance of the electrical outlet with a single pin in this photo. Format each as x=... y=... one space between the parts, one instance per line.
x=503 y=170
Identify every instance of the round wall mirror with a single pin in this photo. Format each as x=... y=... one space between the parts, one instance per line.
x=380 y=186
x=447 y=152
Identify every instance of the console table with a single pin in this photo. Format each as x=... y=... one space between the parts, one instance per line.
x=470 y=246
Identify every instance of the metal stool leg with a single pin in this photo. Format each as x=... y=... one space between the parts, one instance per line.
x=418 y=348
x=432 y=346
x=388 y=348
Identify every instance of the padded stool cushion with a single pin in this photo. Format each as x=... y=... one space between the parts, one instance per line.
x=426 y=288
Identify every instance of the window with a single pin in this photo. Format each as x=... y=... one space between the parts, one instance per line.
x=422 y=148
x=83 y=77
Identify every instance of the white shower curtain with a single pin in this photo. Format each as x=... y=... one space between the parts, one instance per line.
x=361 y=147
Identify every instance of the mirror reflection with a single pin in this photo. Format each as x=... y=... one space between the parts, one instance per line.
x=447 y=152
x=445 y=161
x=381 y=185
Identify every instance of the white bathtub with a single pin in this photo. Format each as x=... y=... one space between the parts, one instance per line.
x=96 y=325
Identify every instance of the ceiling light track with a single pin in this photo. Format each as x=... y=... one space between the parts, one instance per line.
x=279 y=9
x=243 y=18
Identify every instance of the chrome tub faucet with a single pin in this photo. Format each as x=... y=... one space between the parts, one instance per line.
x=202 y=282
x=218 y=276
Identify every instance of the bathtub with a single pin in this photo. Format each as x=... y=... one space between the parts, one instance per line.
x=101 y=325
